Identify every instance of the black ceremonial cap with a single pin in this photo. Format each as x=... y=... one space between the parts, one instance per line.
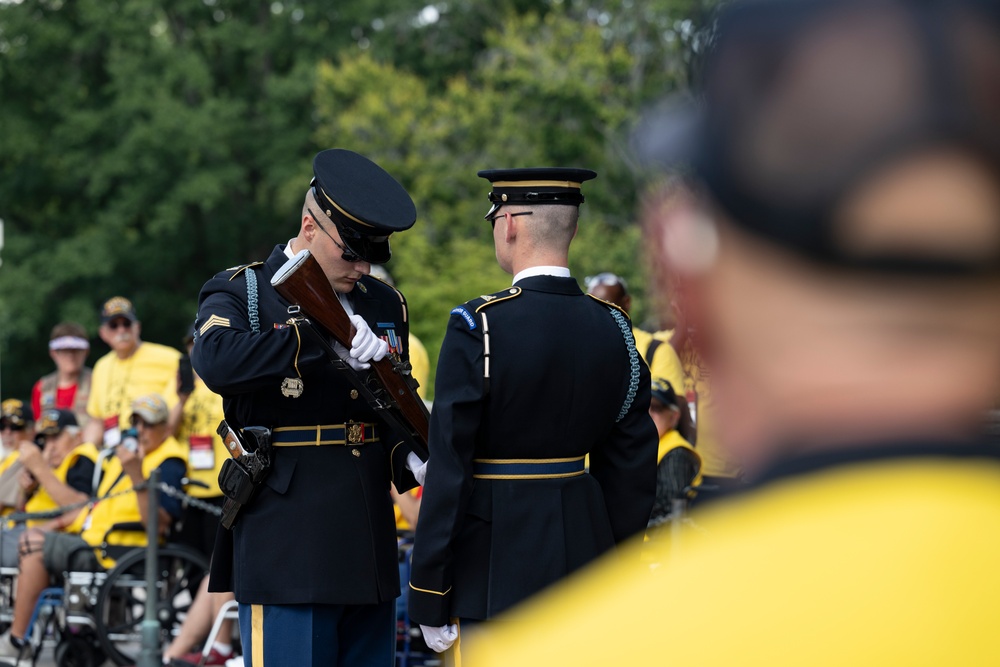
x=363 y=200
x=536 y=185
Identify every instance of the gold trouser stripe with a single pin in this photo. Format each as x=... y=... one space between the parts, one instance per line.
x=457 y=648
x=257 y=635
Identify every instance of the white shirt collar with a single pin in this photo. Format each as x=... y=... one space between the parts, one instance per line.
x=557 y=271
x=288 y=249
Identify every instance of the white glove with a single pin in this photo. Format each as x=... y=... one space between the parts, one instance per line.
x=417 y=467
x=365 y=346
x=439 y=639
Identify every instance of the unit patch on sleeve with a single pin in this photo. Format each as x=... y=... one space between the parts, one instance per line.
x=466 y=315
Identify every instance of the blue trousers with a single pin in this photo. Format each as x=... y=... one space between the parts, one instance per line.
x=318 y=635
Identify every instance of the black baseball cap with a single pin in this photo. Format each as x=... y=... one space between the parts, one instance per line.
x=15 y=413
x=54 y=420
x=802 y=101
x=663 y=391
x=535 y=185
x=363 y=200
x=115 y=307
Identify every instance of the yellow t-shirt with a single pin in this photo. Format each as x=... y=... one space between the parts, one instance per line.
x=666 y=364
x=197 y=432
x=887 y=563
x=115 y=383
x=42 y=501
x=420 y=364
x=121 y=506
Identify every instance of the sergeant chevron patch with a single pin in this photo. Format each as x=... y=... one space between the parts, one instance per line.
x=213 y=321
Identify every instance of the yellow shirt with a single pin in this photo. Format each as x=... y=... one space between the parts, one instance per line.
x=123 y=508
x=666 y=364
x=672 y=440
x=152 y=369
x=421 y=365
x=206 y=451
x=886 y=563
x=42 y=501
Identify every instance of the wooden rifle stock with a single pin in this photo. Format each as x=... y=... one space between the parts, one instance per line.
x=301 y=281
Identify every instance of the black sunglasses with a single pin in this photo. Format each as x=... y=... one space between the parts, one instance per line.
x=493 y=218
x=347 y=255
x=118 y=324
x=11 y=425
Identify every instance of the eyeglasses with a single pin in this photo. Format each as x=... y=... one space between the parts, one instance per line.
x=119 y=324
x=347 y=255
x=607 y=279
x=11 y=426
x=493 y=220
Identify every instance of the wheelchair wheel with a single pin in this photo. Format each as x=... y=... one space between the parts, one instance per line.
x=77 y=652
x=121 y=602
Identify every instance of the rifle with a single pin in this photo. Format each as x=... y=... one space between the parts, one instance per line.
x=387 y=386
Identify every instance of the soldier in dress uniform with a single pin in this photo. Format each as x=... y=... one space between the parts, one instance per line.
x=530 y=380
x=312 y=557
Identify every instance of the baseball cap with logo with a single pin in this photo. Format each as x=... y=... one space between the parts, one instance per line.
x=664 y=392
x=152 y=409
x=54 y=420
x=117 y=306
x=16 y=414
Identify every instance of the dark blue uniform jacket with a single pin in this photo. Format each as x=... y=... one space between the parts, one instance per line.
x=564 y=380
x=321 y=528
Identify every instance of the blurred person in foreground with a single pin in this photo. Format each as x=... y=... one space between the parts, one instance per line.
x=842 y=262
x=530 y=380
x=67 y=387
x=132 y=368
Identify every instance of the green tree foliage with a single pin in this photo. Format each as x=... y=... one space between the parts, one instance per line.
x=146 y=144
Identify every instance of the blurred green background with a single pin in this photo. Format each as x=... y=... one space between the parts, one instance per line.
x=147 y=144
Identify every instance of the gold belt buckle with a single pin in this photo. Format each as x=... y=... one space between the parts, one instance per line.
x=355 y=433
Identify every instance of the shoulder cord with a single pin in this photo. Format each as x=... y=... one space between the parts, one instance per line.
x=252 y=300
x=633 y=358
x=486 y=355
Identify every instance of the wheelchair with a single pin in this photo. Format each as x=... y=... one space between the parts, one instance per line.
x=93 y=617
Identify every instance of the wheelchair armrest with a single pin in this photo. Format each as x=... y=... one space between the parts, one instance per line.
x=125 y=527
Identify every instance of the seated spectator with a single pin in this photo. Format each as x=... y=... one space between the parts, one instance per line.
x=57 y=471
x=678 y=464
x=17 y=422
x=67 y=387
x=57 y=552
